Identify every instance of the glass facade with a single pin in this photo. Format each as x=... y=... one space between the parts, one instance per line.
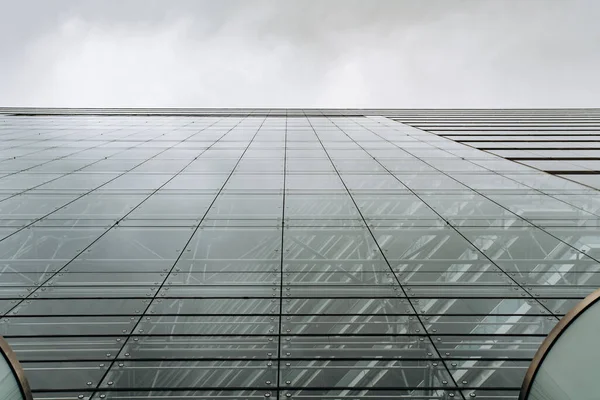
x=252 y=254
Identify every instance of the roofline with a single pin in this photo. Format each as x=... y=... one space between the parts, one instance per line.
x=204 y=111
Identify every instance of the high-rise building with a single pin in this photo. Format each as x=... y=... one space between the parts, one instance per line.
x=302 y=254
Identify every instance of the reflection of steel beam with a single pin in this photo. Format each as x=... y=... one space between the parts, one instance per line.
x=330 y=261
x=437 y=261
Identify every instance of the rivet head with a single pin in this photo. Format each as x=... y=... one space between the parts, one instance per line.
x=444 y=382
x=80 y=396
x=89 y=383
x=472 y=394
x=110 y=383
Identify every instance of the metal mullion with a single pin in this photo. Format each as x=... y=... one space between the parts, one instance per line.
x=282 y=252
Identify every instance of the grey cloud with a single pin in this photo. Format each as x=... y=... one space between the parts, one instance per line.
x=325 y=53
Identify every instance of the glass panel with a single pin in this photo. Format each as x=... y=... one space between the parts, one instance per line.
x=200 y=347
x=47 y=243
x=64 y=375
x=66 y=348
x=398 y=374
x=197 y=374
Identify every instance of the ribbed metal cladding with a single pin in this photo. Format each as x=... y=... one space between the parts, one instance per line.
x=561 y=142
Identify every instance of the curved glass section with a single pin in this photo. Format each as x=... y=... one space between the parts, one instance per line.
x=566 y=366
x=13 y=385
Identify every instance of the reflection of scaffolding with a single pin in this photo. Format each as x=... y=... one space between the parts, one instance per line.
x=328 y=258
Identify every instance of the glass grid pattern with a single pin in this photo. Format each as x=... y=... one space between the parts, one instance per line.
x=279 y=255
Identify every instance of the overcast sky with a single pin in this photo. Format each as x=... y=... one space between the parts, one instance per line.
x=283 y=53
